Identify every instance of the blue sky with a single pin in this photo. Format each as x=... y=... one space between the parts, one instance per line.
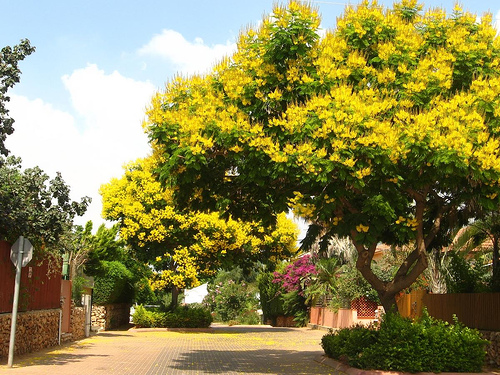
x=83 y=93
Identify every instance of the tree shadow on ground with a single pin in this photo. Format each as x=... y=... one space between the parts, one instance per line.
x=124 y=327
x=221 y=329
x=51 y=359
x=251 y=329
x=113 y=334
x=267 y=361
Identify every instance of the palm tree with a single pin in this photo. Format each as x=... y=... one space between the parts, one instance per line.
x=479 y=239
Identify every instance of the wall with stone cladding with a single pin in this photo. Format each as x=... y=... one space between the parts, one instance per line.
x=35 y=330
x=493 y=349
x=107 y=317
x=78 y=323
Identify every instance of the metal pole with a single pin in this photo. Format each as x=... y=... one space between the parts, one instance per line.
x=15 y=303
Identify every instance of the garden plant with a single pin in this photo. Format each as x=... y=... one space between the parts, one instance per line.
x=399 y=344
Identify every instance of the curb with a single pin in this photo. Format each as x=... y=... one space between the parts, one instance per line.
x=346 y=369
x=187 y=330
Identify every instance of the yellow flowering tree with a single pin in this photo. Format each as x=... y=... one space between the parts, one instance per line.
x=384 y=130
x=186 y=247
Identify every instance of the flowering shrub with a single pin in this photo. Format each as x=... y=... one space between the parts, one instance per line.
x=294 y=280
x=296 y=276
x=230 y=298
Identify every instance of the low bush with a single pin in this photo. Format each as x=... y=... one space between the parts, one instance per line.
x=428 y=345
x=182 y=317
x=347 y=344
x=232 y=297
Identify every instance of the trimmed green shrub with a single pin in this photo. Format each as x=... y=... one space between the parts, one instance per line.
x=182 y=317
x=114 y=284
x=428 y=345
x=271 y=300
x=347 y=344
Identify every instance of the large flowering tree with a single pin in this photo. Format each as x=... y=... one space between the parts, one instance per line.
x=184 y=247
x=385 y=130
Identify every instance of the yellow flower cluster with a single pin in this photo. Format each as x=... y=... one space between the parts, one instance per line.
x=362 y=228
x=385 y=98
x=411 y=222
x=185 y=274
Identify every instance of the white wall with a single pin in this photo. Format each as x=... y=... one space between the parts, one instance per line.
x=195 y=295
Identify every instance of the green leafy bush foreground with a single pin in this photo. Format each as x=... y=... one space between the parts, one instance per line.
x=182 y=317
x=427 y=345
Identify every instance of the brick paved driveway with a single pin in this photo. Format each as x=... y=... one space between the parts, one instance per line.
x=222 y=350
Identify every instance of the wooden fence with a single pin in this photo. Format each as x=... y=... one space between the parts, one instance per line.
x=475 y=310
x=40 y=288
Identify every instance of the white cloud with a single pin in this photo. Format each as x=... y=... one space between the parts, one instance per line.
x=91 y=150
x=187 y=57
x=496 y=21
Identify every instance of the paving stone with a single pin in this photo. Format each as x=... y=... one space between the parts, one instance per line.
x=220 y=350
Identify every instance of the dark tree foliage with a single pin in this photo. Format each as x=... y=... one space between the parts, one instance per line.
x=34 y=206
x=9 y=76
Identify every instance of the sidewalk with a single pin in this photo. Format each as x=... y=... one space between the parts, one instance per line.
x=219 y=350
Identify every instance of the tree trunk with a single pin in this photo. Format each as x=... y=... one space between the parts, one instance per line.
x=175 y=298
x=388 y=301
x=495 y=278
x=414 y=264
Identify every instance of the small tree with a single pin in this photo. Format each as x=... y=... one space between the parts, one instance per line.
x=480 y=238
x=184 y=247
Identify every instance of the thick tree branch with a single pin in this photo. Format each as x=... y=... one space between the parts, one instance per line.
x=404 y=282
x=406 y=265
x=363 y=263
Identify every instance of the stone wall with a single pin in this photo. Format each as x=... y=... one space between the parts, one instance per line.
x=493 y=349
x=107 y=317
x=35 y=330
x=77 y=323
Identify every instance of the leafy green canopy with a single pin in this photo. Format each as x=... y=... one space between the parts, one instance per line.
x=34 y=206
x=385 y=130
x=9 y=76
x=30 y=204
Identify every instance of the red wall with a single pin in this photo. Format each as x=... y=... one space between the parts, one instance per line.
x=40 y=288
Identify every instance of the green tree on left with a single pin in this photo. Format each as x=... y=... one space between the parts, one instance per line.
x=9 y=76
x=35 y=206
x=31 y=204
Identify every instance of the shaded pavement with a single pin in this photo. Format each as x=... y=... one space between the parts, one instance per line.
x=219 y=350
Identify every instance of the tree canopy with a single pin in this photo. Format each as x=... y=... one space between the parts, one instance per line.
x=385 y=130
x=30 y=204
x=9 y=76
x=35 y=206
x=184 y=247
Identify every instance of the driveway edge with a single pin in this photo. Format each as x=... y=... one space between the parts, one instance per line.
x=346 y=369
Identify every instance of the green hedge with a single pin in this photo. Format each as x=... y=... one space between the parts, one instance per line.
x=114 y=284
x=428 y=345
x=271 y=299
x=182 y=317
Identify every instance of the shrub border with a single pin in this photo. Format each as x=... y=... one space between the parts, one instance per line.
x=339 y=366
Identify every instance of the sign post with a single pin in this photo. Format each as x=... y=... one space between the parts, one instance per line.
x=20 y=254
